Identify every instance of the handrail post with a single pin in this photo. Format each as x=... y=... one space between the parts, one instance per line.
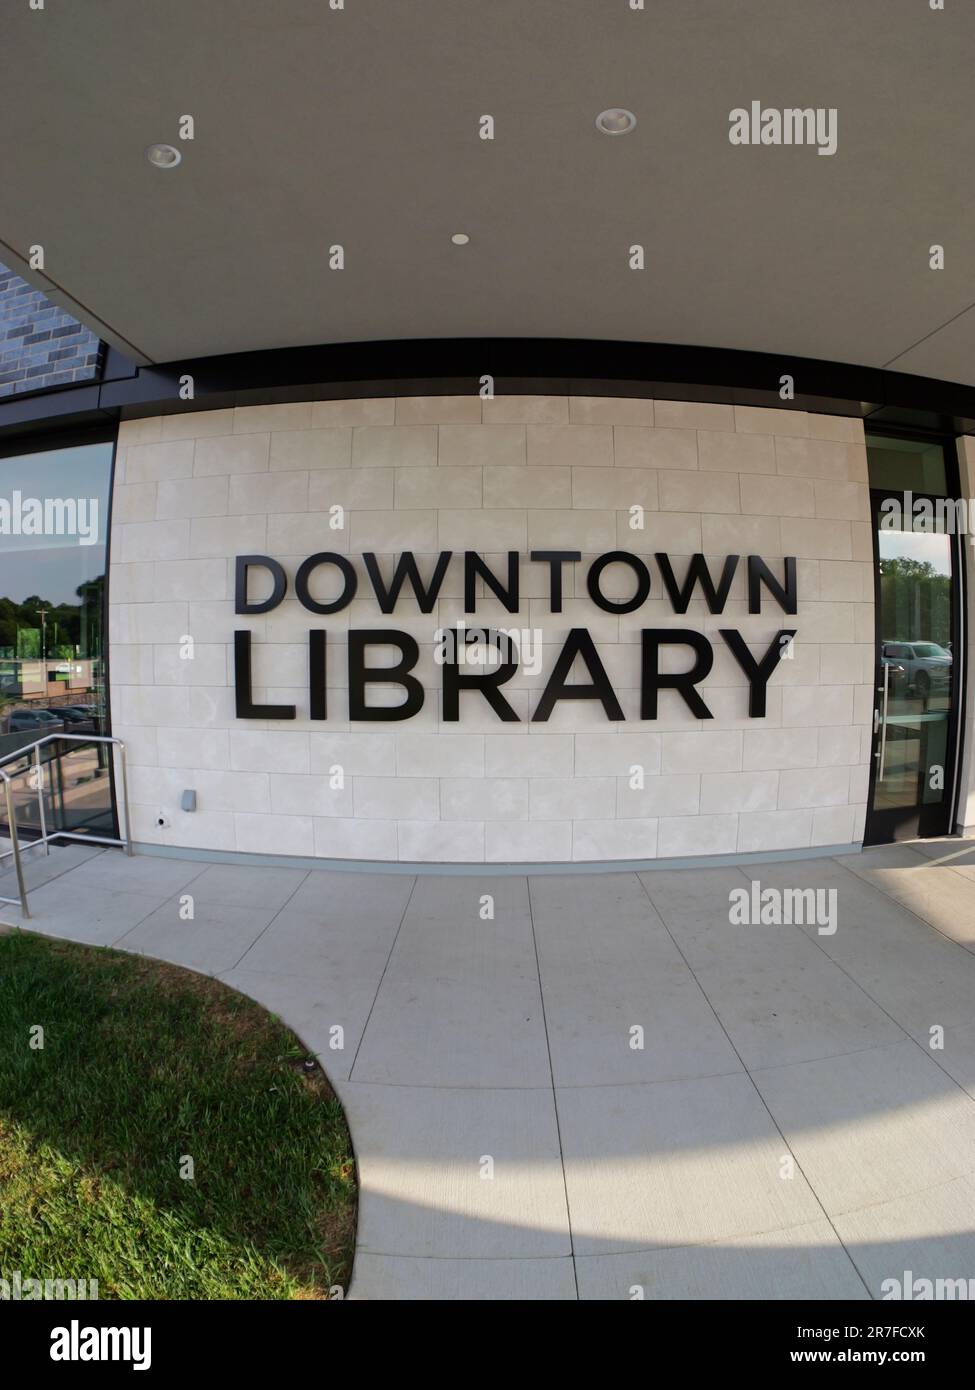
x=58 y=799
x=40 y=797
x=125 y=795
x=15 y=846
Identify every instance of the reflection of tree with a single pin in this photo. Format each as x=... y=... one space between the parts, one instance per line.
x=73 y=629
x=915 y=601
x=8 y=624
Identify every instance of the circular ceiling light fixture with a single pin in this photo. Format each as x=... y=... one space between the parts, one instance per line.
x=460 y=238
x=615 y=121
x=163 y=156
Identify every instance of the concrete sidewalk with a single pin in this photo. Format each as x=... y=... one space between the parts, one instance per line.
x=594 y=1086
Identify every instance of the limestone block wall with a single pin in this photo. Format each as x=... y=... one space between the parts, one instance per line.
x=522 y=473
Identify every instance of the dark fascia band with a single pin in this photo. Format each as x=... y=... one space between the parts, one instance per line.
x=518 y=366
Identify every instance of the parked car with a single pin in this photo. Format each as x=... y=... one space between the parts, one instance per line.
x=76 y=720
x=917 y=667
x=92 y=713
x=40 y=720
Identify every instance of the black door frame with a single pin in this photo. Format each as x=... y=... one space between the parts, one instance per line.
x=933 y=819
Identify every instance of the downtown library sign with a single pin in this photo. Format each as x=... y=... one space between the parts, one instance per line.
x=479 y=660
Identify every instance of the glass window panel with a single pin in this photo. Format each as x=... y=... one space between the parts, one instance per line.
x=53 y=532
x=915 y=592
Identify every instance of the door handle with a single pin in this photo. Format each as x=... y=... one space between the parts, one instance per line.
x=882 y=750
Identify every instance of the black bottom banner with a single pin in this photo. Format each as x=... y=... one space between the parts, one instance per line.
x=295 y=1338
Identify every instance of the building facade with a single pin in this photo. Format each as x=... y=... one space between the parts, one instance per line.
x=486 y=619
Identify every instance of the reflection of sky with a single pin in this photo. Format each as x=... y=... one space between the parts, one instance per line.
x=53 y=566
x=51 y=574
x=916 y=545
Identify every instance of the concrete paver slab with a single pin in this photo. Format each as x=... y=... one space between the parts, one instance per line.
x=856 y=913
x=301 y=944
x=399 y=1277
x=213 y=940
x=92 y=915
x=476 y=976
x=338 y=896
x=620 y=1003
x=938 y=890
x=925 y=983
x=928 y=1234
x=696 y=909
x=872 y=1126
x=805 y=1262
x=41 y=868
x=957 y=1056
x=242 y=886
x=118 y=873
x=472 y=1174
x=675 y=1163
x=950 y=848
x=778 y=1010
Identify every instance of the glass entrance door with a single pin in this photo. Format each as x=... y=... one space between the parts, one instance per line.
x=916 y=680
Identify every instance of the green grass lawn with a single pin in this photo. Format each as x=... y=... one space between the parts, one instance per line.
x=142 y=1065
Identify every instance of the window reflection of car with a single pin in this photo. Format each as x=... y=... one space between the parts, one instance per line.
x=917 y=667
x=76 y=719
x=39 y=720
x=92 y=714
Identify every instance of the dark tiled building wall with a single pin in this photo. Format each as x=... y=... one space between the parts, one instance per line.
x=40 y=344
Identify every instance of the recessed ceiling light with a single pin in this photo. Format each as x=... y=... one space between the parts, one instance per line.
x=163 y=156
x=615 y=121
x=460 y=238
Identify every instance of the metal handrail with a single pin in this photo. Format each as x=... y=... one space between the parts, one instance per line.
x=18 y=755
